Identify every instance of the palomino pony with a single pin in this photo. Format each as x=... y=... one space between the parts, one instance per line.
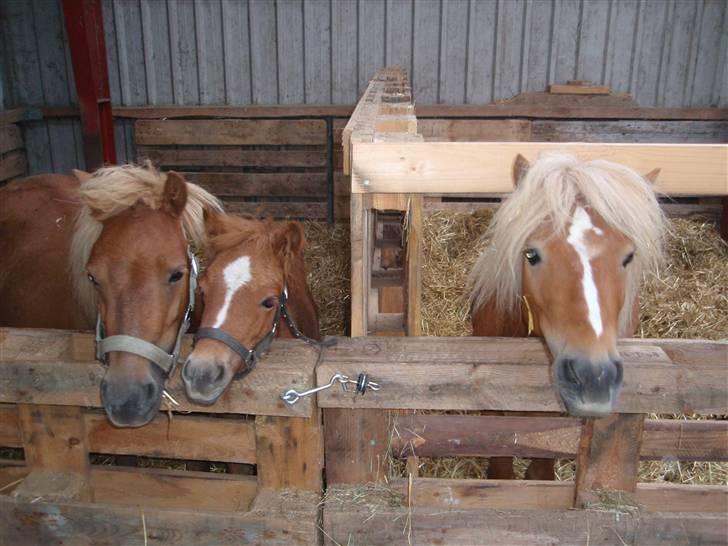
x=254 y=283
x=108 y=250
x=567 y=252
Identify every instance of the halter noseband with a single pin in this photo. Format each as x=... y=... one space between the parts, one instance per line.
x=251 y=356
x=140 y=347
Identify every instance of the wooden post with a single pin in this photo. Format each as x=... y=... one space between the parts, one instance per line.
x=54 y=440
x=289 y=452
x=608 y=456
x=413 y=312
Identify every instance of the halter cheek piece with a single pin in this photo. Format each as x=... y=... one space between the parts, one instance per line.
x=251 y=356
x=140 y=347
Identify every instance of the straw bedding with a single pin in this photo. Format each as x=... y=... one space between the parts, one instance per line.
x=687 y=299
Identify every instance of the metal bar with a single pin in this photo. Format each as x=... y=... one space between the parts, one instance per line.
x=85 y=29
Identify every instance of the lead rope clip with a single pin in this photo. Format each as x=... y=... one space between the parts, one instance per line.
x=361 y=384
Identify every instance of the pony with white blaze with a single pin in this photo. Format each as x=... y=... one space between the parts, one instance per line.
x=567 y=251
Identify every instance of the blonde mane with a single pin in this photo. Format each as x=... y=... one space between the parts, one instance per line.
x=548 y=193
x=112 y=190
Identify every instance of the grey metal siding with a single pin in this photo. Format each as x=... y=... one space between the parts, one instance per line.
x=663 y=52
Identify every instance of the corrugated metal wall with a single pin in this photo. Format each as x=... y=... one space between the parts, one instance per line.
x=664 y=52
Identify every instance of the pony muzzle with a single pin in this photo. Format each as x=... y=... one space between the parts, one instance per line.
x=588 y=388
x=205 y=380
x=131 y=401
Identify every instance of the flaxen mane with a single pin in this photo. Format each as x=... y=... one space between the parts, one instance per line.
x=112 y=190
x=552 y=188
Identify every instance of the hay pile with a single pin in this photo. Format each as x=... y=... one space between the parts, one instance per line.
x=688 y=299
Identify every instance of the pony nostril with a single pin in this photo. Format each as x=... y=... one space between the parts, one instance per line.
x=151 y=390
x=570 y=372
x=186 y=372
x=220 y=374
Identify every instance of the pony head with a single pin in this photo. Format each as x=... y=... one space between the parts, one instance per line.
x=248 y=265
x=567 y=252
x=131 y=271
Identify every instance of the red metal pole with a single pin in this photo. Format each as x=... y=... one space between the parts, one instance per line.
x=85 y=29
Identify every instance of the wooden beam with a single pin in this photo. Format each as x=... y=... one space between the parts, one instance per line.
x=14 y=116
x=276 y=518
x=485 y=167
x=609 y=455
x=162 y=488
x=428 y=435
x=307 y=185
x=167 y=157
x=512 y=374
x=454 y=494
x=230 y=132
x=381 y=521
x=12 y=165
x=10 y=138
x=413 y=265
x=57 y=367
x=205 y=438
x=470 y=130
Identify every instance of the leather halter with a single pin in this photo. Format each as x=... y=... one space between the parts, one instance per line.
x=140 y=347
x=251 y=356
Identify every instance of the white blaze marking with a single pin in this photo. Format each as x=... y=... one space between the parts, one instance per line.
x=580 y=225
x=236 y=274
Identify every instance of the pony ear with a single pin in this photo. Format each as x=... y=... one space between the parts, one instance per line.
x=520 y=166
x=288 y=240
x=651 y=176
x=174 y=197
x=81 y=176
x=214 y=223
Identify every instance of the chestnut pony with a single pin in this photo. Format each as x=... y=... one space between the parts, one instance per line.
x=112 y=247
x=567 y=251
x=254 y=288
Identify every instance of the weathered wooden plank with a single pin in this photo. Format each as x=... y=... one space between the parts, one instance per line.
x=547 y=437
x=383 y=523
x=413 y=265
x=535 y=106
x=13 y=116
x=683 y=132
x=513 y=375
x=290 y=452
x=453 y=51
x=261 y=184
x=36 y=370
x=184 y=437
x=426 y=18
x=210 y=52
x=608 y=455
x=306 y=210
x=473 y=130
x=344 y=49
x=485 y=436
x=10 y=138
x=371 y=18
x=290 y=59
x=12 y=165
x=232 y=157
x=276 y=519
x=454 y=494
x=9 y=426
x=468 y=167
x=230 y=132
x=54 y=439
x=162 y=488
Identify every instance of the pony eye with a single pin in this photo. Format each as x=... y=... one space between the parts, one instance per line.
x=174 y=277
x=92 y=279
x=531 y=254
x=628 y=259
x=269 y=303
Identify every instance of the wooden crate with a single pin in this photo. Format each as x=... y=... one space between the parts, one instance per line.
x=49 y=406
x=12 y=147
